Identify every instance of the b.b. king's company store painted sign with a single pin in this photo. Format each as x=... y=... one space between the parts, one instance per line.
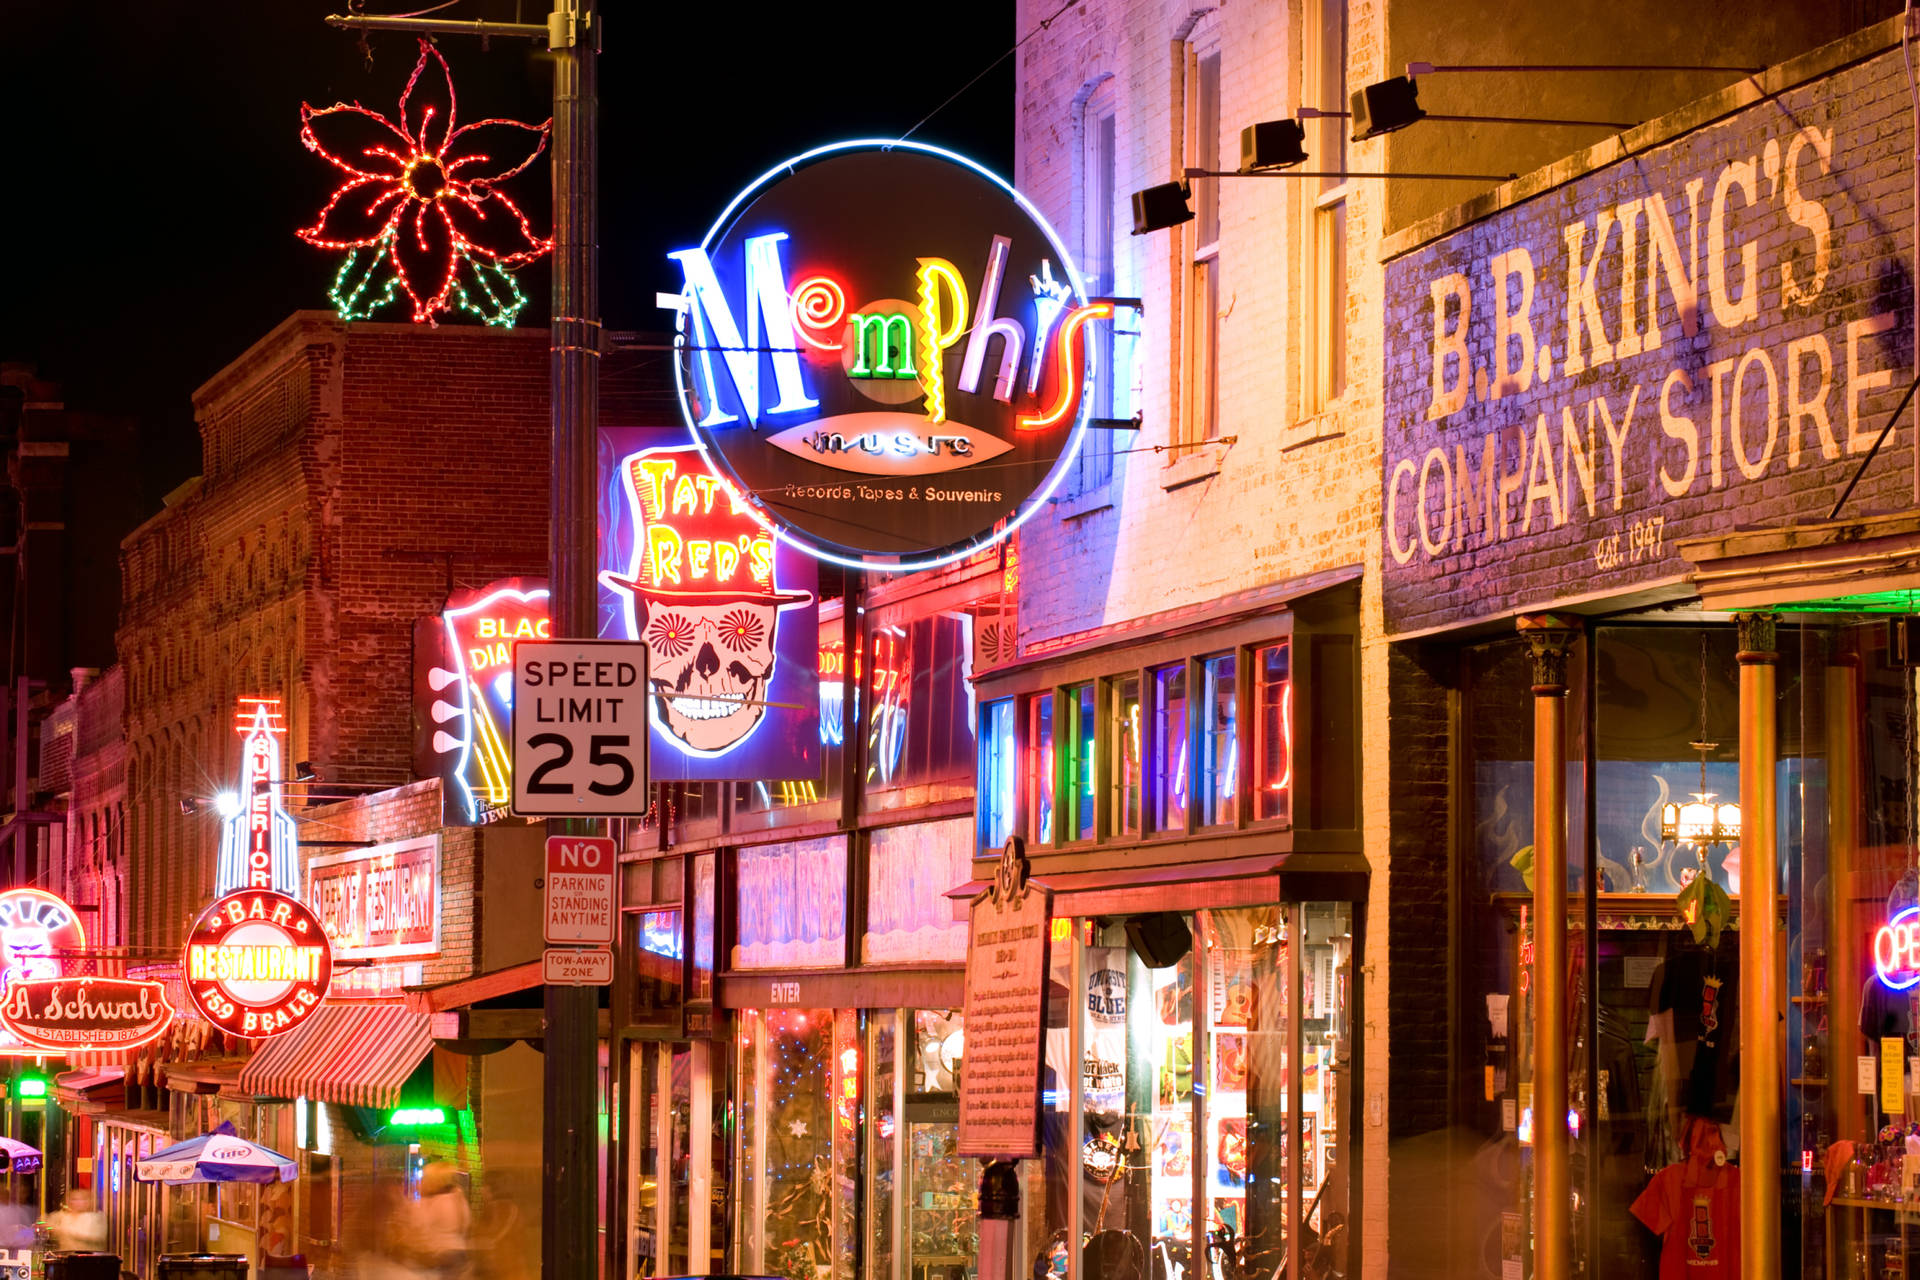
x=885 y=347
x=1708 y=333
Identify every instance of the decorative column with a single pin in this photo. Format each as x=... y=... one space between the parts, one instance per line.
x=1846 y=932
x=1550 y=638
x=1761 y=1081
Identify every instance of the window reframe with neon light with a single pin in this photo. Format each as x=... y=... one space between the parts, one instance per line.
x=792 y=222
x=1179 y=758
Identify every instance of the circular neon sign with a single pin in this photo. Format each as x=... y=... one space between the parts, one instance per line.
x=884 y=347
x=1896 y=950
x=257 y=963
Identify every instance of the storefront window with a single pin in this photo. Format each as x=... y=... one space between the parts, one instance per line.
x=1273 y=759
x=909 y=870
x=922 y=723
x=1125 y=752
x=996 y=774
x=1220 y=742
x=790 y=793
x=1200 y=1144
x=800 y=1108
x=1040 y=768
x=1170 y=748
x=792 y=905
x=1081 y=737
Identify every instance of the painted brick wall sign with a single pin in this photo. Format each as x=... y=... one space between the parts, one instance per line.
x=379 y=902
x=1707 y=334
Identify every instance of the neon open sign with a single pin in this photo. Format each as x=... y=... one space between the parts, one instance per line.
x=885 y=346
x=1896 y=950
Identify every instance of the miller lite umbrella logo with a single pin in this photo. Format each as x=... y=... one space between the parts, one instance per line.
x=257 y=963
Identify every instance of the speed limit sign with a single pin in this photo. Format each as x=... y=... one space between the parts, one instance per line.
x=580 y=729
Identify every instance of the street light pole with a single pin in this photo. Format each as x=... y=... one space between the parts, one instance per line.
x=570 y=1137
x=571 y=1063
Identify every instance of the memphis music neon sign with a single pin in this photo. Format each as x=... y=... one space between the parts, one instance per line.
x=259 y=846
x=886 y=346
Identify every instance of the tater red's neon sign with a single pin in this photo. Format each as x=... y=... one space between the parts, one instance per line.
x=1896 y=950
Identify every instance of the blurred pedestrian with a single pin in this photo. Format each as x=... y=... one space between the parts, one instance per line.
x=78 y=1225
x=442 y=1224
x=501 y=1250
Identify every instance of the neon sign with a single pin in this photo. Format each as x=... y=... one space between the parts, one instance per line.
x=884 y=346
x=259 y=848
x=65 y=1014
x=1896 y=950
x=463 y=693
x=726 y=610
x=36 y=929
x=257 y=963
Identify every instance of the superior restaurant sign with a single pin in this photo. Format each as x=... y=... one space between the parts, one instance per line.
x=1008 y=932
x=1706 y=334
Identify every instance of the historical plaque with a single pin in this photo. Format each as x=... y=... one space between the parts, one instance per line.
x=1008 y=932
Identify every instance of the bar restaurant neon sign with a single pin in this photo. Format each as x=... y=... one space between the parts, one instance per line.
x=885 y=346
x=257 y=963
x=1896 y=950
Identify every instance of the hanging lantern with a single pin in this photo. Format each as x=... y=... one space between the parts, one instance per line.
x=1700 y=822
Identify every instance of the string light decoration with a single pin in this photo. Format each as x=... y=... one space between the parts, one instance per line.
x=419 y=211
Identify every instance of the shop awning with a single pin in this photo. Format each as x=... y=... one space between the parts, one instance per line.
x=91 y=1090
x=1216 y=883
x=353 y=1054
x=1862 y=564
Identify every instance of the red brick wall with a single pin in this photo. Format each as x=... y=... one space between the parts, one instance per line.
x=352 y=473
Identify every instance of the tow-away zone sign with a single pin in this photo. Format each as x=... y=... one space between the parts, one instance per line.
x=580 y=729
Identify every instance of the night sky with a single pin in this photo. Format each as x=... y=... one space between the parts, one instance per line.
x=156 y=177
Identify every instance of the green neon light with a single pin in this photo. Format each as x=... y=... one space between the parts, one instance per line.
x=1866 y=602
x=888 y=335
x=413 y=1117
x=30 y=1087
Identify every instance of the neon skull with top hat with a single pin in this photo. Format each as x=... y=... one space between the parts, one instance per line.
x=702 y=597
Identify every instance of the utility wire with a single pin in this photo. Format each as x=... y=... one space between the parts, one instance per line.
x=985 y=71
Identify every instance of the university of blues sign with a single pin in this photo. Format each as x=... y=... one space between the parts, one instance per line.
x=1708 y=333
x=883 y=346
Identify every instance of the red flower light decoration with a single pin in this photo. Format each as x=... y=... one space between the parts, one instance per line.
x=420 y=209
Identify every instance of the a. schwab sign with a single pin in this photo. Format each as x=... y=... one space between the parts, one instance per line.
x=1707 y=334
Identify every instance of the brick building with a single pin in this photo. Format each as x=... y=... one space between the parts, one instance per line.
x=1254 y=555
x=83 y=765
x=353 y=475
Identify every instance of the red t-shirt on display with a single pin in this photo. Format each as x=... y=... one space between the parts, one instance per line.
x=1695 y=1209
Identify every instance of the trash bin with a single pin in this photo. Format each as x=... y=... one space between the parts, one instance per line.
x=77 y=1264
x=203 y=1266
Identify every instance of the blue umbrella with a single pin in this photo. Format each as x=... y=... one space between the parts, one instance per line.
x=219 y=1156
x=18 y=1156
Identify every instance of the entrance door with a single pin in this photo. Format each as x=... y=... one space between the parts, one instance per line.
x=676 y=1145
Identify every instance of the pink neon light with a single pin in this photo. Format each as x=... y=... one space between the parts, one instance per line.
x=1069 y=369
x=818 y=303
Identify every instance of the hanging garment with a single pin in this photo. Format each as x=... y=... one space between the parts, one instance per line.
x=1694 y=1207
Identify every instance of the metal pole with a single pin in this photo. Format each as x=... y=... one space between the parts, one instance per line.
x=570 y=1133
x=1761 y=1082
x=1549 y=638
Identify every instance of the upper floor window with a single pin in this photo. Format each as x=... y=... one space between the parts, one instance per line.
x=1201 y=417
x=1325 y=245
x=1107 y=352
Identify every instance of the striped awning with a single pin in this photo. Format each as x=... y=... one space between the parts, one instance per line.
x=354 y=1054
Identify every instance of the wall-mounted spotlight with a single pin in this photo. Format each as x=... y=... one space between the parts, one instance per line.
x=305 y=772
x=1157 y=208
x=189 y=805
x=1272 y=144
x=1386 y=107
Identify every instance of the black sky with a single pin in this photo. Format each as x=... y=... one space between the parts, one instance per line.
x=155 y=174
